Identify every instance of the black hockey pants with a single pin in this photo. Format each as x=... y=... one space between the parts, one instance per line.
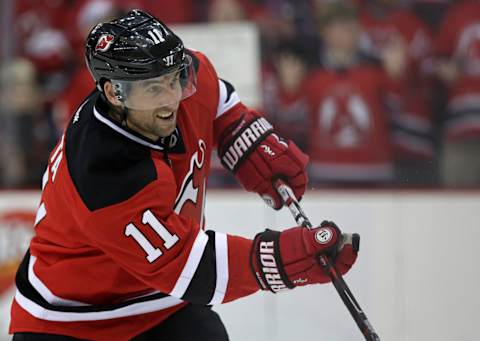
x=192 y=323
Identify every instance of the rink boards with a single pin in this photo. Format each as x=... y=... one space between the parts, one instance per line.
x=416 y=277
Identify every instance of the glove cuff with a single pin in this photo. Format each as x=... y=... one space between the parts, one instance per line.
x=266 y=262
x=244 y=142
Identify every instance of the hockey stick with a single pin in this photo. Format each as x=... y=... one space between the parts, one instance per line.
x=343 y=290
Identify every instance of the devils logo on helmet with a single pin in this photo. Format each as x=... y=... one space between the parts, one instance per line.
x=104 y=43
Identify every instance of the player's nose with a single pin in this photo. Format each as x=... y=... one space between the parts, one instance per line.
x=169 y=107
x=174 y=97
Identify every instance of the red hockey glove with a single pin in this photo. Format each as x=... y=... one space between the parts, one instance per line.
x=284 y=260
x=257 y=157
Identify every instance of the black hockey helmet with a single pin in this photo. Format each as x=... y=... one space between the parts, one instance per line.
x=134 y=48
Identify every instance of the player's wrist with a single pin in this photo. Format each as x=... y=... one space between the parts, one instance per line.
x=266 y=263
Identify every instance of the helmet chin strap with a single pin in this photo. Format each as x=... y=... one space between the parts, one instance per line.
x=123 y=116
x=166 y=149
x=121 y=111
x=124 y=110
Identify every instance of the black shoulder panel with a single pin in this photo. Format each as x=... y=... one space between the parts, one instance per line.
x=106 y=168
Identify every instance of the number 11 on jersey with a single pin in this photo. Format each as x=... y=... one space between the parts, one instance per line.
x=152 y=252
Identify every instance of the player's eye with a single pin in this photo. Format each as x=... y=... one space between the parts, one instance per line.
x=154 y=90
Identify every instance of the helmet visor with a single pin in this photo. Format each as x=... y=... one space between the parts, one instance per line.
x=158 y=92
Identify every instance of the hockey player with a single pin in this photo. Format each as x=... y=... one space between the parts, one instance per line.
x=120 y=250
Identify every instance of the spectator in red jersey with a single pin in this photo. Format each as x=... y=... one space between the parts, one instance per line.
x=385 y=22
x=41 y=31
x=391 y=29
x=285 y=92
x=458 y=50
x=350 y=137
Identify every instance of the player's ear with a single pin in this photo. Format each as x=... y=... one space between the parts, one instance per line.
x=110 y=94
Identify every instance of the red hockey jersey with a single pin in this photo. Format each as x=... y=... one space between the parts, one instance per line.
x=119 y=243
x=459 y=40
x=402 y=23
x=287 y=110
x=412 y=122
x=349 y=130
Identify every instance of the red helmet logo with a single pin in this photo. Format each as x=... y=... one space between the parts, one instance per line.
x=104 y=43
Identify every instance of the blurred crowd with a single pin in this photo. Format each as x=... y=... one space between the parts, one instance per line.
x=379 y=93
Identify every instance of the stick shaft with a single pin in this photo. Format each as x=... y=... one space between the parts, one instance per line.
x=288 y=198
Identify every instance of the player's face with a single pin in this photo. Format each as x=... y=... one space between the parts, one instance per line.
x=153 y=103
x=163 y=95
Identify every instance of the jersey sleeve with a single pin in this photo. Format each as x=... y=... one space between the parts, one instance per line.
x=171 y=253
x=228 y=98
x=411 y=126
x=231 y=112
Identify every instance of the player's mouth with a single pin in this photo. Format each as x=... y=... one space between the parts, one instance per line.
x=166 y=117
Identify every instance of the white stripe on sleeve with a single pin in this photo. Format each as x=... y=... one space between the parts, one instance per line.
x=191 y=266
x=221 y=252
